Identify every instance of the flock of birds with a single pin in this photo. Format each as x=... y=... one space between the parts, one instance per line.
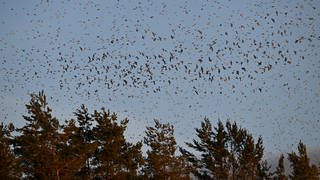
x=139 y=50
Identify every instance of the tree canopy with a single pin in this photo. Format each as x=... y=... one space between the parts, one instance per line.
x=93 y=146
x=226 y=152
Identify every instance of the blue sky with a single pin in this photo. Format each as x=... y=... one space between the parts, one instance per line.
x=262 y=57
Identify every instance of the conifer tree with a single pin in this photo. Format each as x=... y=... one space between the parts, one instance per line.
x=280 y=171
x=94 y=147
x=161 y=161
x=236 y=136
x=300 y=164
x=114 y=158
x=73 y=152
x=264 y=171
x=245 y=155
x=85 y=139
x=212 y=146
x=250 y=157
x=8 y=163
x=220 y=152
x=229 y=153
x=37 y=145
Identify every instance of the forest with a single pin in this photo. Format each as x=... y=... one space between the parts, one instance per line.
x=93 y=146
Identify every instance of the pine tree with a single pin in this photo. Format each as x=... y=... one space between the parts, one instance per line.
x=245 y=155
x=204 y=166
x=280 y=171
x=264 y=171
x=37 y=146
x=300 y=164
x=8 y=163
x=84 y=139
x=236 y=136
x=114 y=158
x=161 y=161
x=250 y=157
x=220 y=152
x=73 y=152
x=213 y=149
x=229 y=153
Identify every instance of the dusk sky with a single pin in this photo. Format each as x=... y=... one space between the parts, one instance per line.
x=253 y=62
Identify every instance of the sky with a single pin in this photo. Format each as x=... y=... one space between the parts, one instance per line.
x=252 y=62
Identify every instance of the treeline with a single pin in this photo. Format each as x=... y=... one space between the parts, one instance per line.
x=93 y=146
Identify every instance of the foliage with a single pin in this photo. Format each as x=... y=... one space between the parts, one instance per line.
x=8 y=163
x=114 y=158
x=162 y=163
x=83 y=136
x=300 y=164
x=225 y=153
x=46 y=149
x=93 y=146
x=38 y=145
x=280 y=170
